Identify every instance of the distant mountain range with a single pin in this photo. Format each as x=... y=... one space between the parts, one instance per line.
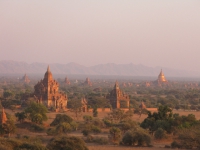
x=15 y=67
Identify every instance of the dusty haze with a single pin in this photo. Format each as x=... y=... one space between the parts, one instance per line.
x=154 y=33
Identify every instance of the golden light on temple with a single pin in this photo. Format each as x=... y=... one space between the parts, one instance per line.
x=161 y=77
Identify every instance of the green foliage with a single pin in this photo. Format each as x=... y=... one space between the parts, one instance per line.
x=9 y=143
x=137 y=137
x=31 y=146
x=87 y=118
x=68 y=143
x=100 y=140
x=7 y=94
x=37 y=128
x=2 y=131
x=14 y=144
x=96 y=129
x=51 y=131
x=160 y=133
x=189 y=138
x=9 y=127
x=21 y=116
x=115 y=135
x=161 y=119
x=184 y=121
x=98 y=122
x=61 y=118
x=73 y=125
x=75 y=106
x=10 y=103
x=97 y=101
x=63 y=128
x=127 y=125
x=86 y=131
x=36 y=112
x=107 y=122
x=118 y=115
x=95 y=112
x=175 y=144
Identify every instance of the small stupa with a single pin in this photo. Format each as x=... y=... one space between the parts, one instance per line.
x=67 y=81
x=25 y=79
x=142 y=105
x=3 y=117
x=88 y=82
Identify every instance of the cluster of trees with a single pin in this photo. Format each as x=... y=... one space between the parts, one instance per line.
x=122 y=129
x=62 y=124
x=177 y=98
x=35 y=112
x=59 y=142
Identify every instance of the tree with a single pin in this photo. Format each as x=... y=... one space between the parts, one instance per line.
x=36 y=113
x=87 y=119
x=9 y=127
x=61 y=118
x=98 y=101
x=7 y=94
x=118 y=115
x=161 y=119
x=63 y=128
x=115 y=134
x=75 y=106
x=21 y=116
x=31 y=146
x=66 y=142
x=188 y=138
x=160 y=133
x=95 y=112
x=137 y=137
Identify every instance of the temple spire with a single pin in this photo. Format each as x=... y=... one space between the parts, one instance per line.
x=161 y=77
x=3 y=117
x=116 y=85
x=48 y=69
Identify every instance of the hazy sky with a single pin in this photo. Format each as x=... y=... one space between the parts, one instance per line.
x=89 y=32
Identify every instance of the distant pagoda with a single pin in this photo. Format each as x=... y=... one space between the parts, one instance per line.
x=25 y=79
x=161 y=79
x=67 y=81
x=88 y=82
x=3 y=117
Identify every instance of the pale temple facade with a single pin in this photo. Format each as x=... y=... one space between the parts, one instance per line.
x=47 y=93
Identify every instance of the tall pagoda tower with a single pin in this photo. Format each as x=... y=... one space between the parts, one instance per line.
x=47 y=92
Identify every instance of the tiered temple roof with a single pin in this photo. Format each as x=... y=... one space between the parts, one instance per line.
x=47 y=92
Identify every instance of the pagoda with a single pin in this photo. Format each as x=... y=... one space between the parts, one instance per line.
x=47 y=92
x=116 y=96
x=25 y=79
x=161 y=79
x=67 y=81
x=88 y=82
x=3 y=117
